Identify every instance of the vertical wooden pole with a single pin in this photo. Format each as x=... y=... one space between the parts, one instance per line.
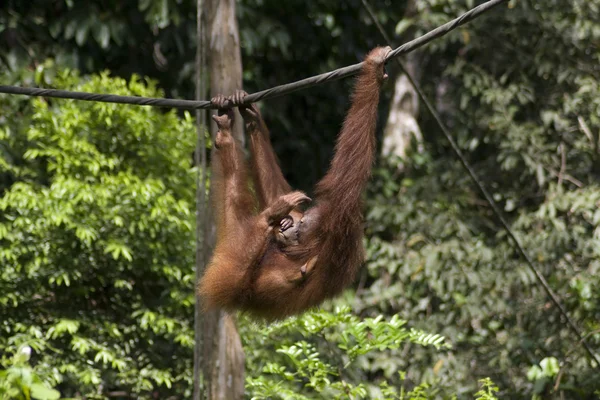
x=223 y=355
x=201 y=203
x=224 y=54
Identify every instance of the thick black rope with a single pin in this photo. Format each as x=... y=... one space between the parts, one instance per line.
x=265 y=94
x=518 y=246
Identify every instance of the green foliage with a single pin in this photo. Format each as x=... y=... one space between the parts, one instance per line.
x=526 y=116
x=543 y=374
x=323 y=355
x=21 y=382
x=488 y=390
x=96 y=236
x=151 y=37
x=337 y=355
x=519 y=89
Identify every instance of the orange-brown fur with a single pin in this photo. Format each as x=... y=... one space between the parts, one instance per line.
x=254 y=267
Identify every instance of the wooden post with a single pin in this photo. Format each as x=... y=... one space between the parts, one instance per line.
x=225 y=58
x=223 y=356
x=202 y=219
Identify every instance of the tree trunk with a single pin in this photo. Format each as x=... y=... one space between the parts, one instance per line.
x=223 y=354
x=402 y=131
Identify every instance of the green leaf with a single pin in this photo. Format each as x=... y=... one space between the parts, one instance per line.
x=103 y=36
x=82 y=32
x=41 y=392
x=534 y=373
x=550 y=367
x=403 y=25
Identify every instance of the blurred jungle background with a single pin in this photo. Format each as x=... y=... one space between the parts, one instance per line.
x=97 y=201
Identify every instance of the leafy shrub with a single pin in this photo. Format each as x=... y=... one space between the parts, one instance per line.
x=97 y=240
x=22 y=382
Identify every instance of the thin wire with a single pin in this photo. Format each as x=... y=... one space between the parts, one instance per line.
x=262 y=95
x=520 y=249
